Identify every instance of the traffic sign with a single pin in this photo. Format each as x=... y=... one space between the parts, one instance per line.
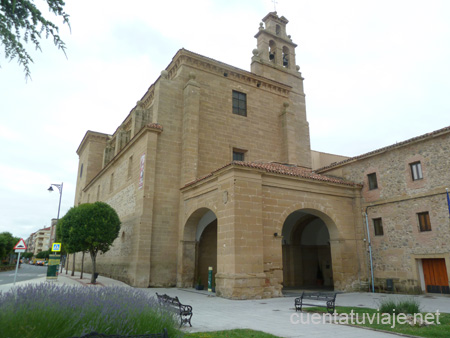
x=20 y=246
x=56 y=247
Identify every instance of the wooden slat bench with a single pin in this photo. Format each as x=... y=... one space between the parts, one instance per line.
x=174 y=304
x=321 y=299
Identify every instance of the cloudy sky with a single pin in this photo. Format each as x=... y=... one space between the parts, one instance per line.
x=376 y=73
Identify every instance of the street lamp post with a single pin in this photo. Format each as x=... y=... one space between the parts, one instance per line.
x=60 y=189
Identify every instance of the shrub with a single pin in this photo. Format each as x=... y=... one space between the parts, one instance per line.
x=53 y=311
x=407 y=306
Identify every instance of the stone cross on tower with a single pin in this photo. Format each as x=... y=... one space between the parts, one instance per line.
x=275 y=5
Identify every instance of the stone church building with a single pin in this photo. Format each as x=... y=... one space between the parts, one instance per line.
x=213 y=167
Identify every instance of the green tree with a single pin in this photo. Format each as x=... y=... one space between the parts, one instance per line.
x=7 y=242
x=90 y=227
x=22 y=22
x=44 y=254
x=27 y=255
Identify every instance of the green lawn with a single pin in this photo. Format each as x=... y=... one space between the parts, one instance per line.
x=441 y=330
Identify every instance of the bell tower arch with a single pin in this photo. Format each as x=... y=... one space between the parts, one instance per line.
x=275 y=50
x=274 y=58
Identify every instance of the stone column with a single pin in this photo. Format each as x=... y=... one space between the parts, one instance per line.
x=191 y=111
x=295 y=133
x=240 y=237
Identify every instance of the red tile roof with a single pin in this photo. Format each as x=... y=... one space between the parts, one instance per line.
x=393 y=146
x=155 y=126
x=282 y=169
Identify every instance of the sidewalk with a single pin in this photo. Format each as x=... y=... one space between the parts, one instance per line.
x=272 y=315
x=67 y=279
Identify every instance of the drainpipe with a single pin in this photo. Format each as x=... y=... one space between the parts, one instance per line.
x=370 y=251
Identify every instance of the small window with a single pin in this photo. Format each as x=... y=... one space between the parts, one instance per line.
x=81 y=170
x=239 y=103
x=111 y=183
x=238 y=155
x=416 y=171
x=285 y=57
x=424 y=221
x=130 y=166
x=373 y=184
x=378 y=227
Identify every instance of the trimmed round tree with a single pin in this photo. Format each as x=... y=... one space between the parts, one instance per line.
x=90 y=227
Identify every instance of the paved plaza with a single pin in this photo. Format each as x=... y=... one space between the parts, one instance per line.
x=274 y=315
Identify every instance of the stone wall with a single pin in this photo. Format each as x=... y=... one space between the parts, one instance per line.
x=250 y=207
x=398 y=199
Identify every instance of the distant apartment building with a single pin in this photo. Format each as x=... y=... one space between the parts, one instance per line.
x=39 y=241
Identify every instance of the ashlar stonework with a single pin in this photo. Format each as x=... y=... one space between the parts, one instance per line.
x=213 y=168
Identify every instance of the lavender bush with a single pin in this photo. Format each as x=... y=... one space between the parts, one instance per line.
x=48 y=310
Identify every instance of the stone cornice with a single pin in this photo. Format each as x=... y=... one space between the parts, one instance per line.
x=151 y=127
x=91 y=136
x=185 y=57
x=275 y=169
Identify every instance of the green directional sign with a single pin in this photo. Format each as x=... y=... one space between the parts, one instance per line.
x=52 y=267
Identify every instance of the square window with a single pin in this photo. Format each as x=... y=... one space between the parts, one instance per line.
x=239 y=103
x=378 y=226
x=424 y=221
x=373 y=184
x=238 y=155
x=416 y=171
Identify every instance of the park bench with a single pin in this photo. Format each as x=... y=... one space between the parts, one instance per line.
x=321 y=299
x=163 y=334
x=173 y=304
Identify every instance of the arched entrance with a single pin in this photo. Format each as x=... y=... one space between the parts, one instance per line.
x=307 y=261
x=199 y=248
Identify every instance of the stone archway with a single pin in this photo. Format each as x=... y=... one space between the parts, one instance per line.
x=198 y=248
x=206 y=252
x=306 y=251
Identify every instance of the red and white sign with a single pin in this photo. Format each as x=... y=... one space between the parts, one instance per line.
x=20 y=246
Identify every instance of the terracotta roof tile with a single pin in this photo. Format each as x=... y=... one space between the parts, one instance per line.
x=381 y=150
x=155 y=126
x=282 y=169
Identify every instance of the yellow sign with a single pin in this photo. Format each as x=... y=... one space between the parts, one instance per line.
x=56 y=247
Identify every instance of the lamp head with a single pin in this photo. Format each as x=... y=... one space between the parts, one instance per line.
x=50 y=189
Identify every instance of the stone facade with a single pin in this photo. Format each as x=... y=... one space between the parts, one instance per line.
x=212 y=167
x=398 y=252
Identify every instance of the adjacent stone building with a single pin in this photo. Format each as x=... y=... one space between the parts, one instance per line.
x=213 y=167
x=404 y=197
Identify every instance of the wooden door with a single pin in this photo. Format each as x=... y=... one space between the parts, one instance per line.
x=435 y=274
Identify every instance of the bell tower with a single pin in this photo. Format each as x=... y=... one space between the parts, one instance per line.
x=274 y=58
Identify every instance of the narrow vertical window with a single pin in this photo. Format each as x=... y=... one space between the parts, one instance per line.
x=130 y=166
x=378 y=226
x=81 y=170
x=272 y=48
x=98 y=192
x=111 y=183
x=239 y=103
x=285 y=57
x=416 y=171
x=424 y=221
x=373 y=183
